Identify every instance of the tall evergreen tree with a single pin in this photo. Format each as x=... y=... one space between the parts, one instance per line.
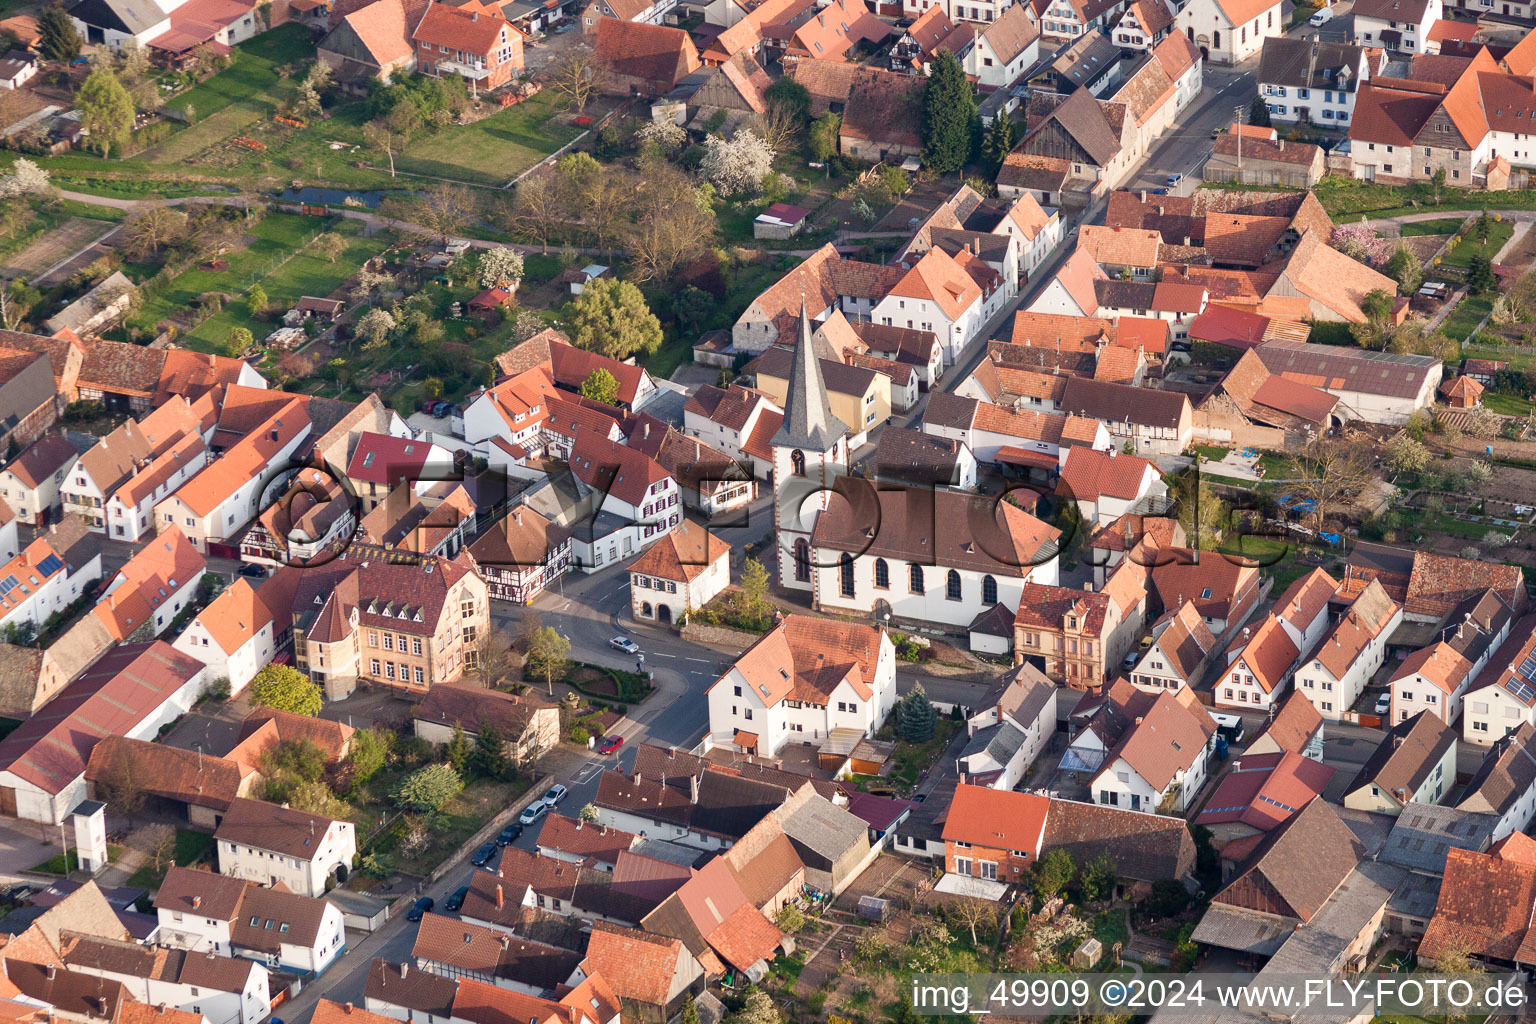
x=60 y=40
x=998 y=142
x=1258 y=113
x=915 y=716
x=949 y=106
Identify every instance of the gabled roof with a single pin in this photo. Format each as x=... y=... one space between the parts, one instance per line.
x=939 y=528
x=1085 y=121
x=1507 y=774
x=1147 y=847
x=641 y=965
x=1011 y=34
x=806 y=658
x=284 y=830
x=1437 y=582
x=1090 y=475
x=1116 y=403
x=118 y=764
x=475 y=31
x=1165 y=740
x=685 y=553
x=125 y=686
x=41 y=459
x=996 y=819
x=1293 y=726
x=1264 y=790
x=383 y=30
x=1404 y=759
x=1301 y=862
x=1485 y=907
x=656 y=54
x=476 y=949
x=468 y=705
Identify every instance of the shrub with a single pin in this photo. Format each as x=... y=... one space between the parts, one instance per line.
x=429 y=788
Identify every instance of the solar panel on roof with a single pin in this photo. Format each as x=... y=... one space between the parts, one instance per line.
x=50 y=565
x=8 y=584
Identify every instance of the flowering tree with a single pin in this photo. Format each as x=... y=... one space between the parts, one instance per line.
x=25 y=179
x=667 y=136
x=1359 y=242
x=737 y=165
x=500 y=266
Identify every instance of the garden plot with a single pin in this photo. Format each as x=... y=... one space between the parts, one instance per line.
x=55 y=246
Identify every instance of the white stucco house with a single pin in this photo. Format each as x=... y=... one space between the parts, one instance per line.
x=1230 y=31
x=952 y=296
x=1335 y=671
x=680 y=573
x=203 y=912
x=800 y=682
x=234 y=636
x=263 y=843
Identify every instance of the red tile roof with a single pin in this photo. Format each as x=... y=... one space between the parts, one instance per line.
x=996 y=819
x=1264 y=790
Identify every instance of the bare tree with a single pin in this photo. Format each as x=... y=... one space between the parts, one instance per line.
x=1331 y=471
x=780 y=127
x=391 y=134
x=973 y=909
x=494 y=656
x=672 y=224
x=539 y=208
x=445 y=209
x=576 y=76
x=154 y=229
x=606 y=199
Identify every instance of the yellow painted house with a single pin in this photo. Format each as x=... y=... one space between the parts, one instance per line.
x=860 y=397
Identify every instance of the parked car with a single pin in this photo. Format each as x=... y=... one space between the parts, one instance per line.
x=483 y=855
x=1174 y=179
x=508 y=835
x=554 y=796
x=610 y=743
x=252 y=571
x=1384 y=704
x=1129 y=661
x=1321 y=18
x=533 y=812
x=1158 y=191
x=419 y=908
x=625 y=644
x=456 y=900
x=1217 y=132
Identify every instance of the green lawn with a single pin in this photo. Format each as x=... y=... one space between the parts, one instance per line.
x=55 y=865
x=240 y=100
x=1466 y=316
x=1507 y=405
x=252 y=75
x=190 y=849
x=1460 y=255
x=302 y=275
x=1517 y=358
x=1210 y=452
x=1443 y=226
x=1345 y=196
x=277 y=236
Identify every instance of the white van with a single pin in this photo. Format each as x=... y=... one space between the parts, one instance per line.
x=1321 y=18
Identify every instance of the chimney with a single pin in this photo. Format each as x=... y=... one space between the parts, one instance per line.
x=1186 y=239
x=637 y=777
x=1237 y=766
x=694 y=786
x=647 y=432
x=501 y=900
x=346 y=1008
x=517 y=516
x=1139 y=719
x=1282 y=144
x=197 y=901
x=579 y=823
x=1144 y=195
x=506 y=941
x=52 y=972
x=405 y=969
x=101 y=1003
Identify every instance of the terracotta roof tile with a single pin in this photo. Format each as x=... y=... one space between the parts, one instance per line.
x=997 y=819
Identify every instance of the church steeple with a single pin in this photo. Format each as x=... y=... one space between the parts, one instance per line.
x=808 y=420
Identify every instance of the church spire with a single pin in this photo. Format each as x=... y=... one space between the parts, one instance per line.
x=808 y=420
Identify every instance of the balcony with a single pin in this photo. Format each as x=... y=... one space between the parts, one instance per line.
x=472 y=72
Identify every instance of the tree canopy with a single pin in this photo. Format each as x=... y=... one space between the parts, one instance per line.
x=949 y=107
x=286 y=689
x=106 y=110
x=611 y=317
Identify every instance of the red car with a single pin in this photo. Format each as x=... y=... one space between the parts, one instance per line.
x=610 y=744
